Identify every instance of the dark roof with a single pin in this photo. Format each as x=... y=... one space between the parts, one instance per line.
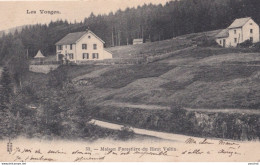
x=239 y=22
x=222 y=34
x=72 y=38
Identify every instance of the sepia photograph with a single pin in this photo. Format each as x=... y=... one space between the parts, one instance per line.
x=130 y=81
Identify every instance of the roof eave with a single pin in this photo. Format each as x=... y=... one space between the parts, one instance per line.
x=64 y=44
x=235 y=27
x=222 y=37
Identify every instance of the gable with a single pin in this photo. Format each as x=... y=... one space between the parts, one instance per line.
x=251 y=23
x=90 y=33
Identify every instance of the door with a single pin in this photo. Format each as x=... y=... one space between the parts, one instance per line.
x=224 y=43
x=60 y=57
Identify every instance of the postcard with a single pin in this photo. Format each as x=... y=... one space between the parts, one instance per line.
x=129 y=81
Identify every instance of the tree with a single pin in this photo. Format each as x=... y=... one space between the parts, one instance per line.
x=58 y=78
x=82 y=111
x=6 y=89
x=18 y=63
x=5 y=101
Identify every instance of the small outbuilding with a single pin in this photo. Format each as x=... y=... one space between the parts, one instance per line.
x=39 y=55
x=138 y=41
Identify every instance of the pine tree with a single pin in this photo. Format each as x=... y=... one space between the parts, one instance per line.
x=5 y=101
x=5 y=89
x=18 y=64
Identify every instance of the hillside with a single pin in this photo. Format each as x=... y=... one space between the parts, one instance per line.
x=12 y=30
x=160 y=47
x=203 y=77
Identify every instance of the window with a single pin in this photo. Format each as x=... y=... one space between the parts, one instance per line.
x=251 y=30
x=89 y=37
x=251 y=23
x=94 y=46
x=70 y=46
x=59 y=47
x=220 y=41
x=85 y=56
x=235 y=31
x=71 y=56
x=235 y=40
x=84 y=46
x=251 y=39
x=95 y=55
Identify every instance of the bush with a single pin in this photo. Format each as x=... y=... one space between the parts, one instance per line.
x=125 y=133
x=205 y=41
x=257 y=46
x=245 y=44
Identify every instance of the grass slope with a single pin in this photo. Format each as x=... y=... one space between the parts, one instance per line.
x=203 y=77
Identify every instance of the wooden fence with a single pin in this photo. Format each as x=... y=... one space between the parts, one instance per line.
x=45 y=62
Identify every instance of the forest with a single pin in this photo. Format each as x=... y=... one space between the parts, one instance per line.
x=150 y=22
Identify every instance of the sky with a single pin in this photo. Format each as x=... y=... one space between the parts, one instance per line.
x=15 y=13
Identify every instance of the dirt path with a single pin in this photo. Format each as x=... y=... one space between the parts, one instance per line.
x=159 y=107
x=241 y=111
x=138 y=106
x=162 y=135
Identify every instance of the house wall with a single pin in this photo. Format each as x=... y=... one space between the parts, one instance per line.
x=90 y=42
x=221 y=42
x=107 y=55
x=137 y=42
x=246 y=31
x=232 y=36
x=65 y=50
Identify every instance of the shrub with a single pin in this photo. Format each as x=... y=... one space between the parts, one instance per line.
x=58 y=77
x=245 y=44
x=207 y=42
x=257 y=46
x=125 y=133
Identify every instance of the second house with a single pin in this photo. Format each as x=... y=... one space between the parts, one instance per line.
x=81 y=46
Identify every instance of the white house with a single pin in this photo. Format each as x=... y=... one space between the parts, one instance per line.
x=240 y=30
x=81 y=46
